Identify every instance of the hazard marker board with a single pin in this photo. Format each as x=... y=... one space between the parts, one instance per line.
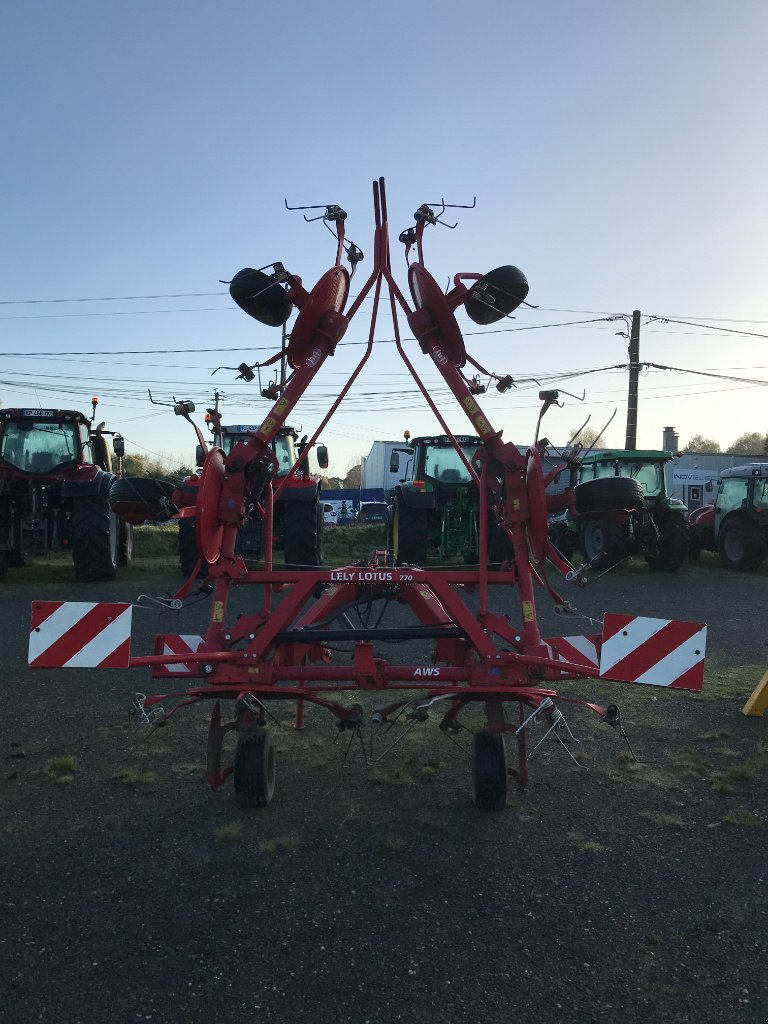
x=173 y=644
x=655 y=652
x=79 y=634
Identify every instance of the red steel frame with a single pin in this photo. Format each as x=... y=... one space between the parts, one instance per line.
x=279 y=652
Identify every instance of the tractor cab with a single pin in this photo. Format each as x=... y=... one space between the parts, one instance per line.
x=40 y=442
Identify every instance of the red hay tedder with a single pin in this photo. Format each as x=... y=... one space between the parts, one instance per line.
x=280 y=650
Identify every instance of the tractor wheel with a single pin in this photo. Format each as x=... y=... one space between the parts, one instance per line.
x=95 y=531
x=303 y=534
x=3 y=564
x=188 y=553
x=609 y=492
x=125 y=543
x=602 y=539
x=674 y=549
x=409 y=530
x=254 y=774
x=489 y=771
x=742 y=546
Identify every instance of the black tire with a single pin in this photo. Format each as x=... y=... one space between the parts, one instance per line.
x=125 y=544
x=500 y=547
x=609 y=492
x=601 y=539
x=254 y=773
x=142 y=497
x=742 y=546
x=675 y=547
x=188 y=553
x=489 y=771
x=95 y=530
x=409 y=530
x=694 y=549
x=3 y=564
x=303 y=534
x=250 y=539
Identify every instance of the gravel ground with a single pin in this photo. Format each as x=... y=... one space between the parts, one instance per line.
x=629 y=891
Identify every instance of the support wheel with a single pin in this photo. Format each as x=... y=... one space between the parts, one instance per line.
x=95 y=530
x=303 y=534
x=602 y=539
x=125 y=543
x=254 y=774
x=674 y=549
x=188 y=554
x=409 y=534
x=489 y=771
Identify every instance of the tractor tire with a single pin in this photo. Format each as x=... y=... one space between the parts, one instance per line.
x=140 y=498
x=125 y=543
x=409 y=530
x=675 y=547
x=489 y=771
x=303 y=534
x=607 y=493
x=254 y=770
x=3 y=564
x=601 y=539
x=95 y=540
x=742 y=546
x=188 y=553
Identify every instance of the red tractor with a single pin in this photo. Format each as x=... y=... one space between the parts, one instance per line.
x=55 y=480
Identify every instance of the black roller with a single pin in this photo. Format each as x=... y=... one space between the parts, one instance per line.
x=260 y=297
x=496 y=295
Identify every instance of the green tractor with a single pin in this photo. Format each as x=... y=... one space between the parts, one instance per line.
x=433 y=510
x=621 y=508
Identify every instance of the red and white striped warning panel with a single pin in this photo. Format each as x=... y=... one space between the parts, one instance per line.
x=79 y=634
x=171 y=644
x=657 y=652
x=578 y=650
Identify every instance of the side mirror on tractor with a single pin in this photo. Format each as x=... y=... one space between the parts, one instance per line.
x=322 y=456
x=496 y=295
x=394 y=462
x=118 y=445
x=199 y=456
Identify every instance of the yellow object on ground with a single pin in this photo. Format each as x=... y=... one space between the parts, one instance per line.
x=758 y=701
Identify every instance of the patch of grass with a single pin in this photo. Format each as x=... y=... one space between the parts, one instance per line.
x=64 y=780
x=279 y=843
x=689 y=760
x=60 y=767
x=743 y=818
x=728 y=681
x=342 y=544
x=662 y=818
x=396 y=776
x=725 y=751
x=228 y=833
x=741 y=772
x=585 y=845
x=130 y=777
x=720 y=785
x=392 y=844
x=431 y=824
x=719 y=734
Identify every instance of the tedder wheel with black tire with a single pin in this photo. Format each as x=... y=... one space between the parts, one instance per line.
x=254 y=771
x=125 y=543
x=742 y=546
x=489 y=771
x=188 y=553
x=303 y=534
x=95 y=530
x=409 y=534
x=609 y=492
x=603 y=539
x=674 y=549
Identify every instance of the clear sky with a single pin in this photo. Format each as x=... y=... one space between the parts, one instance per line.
x=617 y=151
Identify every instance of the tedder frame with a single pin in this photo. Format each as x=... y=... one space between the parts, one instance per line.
x=280 y=650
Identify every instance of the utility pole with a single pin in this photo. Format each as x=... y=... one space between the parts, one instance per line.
x=634 y=375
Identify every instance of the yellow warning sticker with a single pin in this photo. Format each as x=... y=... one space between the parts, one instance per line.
x=268 y=424
x=218 y=611
x=527 y=611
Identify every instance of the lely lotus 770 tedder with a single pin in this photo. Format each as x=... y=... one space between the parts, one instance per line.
x=282 y=650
